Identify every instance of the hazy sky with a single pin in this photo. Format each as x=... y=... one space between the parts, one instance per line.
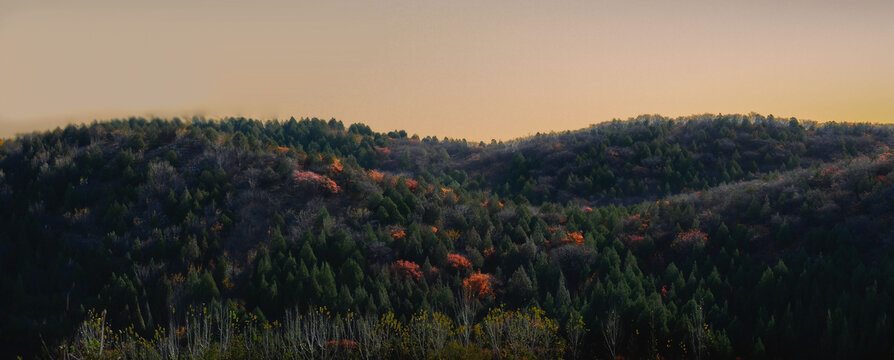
x=472 y=69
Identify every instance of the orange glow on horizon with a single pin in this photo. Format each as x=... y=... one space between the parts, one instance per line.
x=460 y=69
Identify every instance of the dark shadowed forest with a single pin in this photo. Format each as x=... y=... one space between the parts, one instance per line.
x=702 y=237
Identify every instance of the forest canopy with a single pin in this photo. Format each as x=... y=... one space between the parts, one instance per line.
x=711 y=236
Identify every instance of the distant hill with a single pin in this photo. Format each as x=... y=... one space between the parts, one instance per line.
x=707 y=236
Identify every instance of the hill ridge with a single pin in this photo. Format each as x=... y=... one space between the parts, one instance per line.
x=741 y=219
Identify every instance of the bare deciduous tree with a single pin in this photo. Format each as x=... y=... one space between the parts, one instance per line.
x=611 y=331
x=466 y=308
x=370 y=341
x=697 y=331
x=575 y=330
x=225 y=328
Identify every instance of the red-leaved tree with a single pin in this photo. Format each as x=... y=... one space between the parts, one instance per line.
x=406 y=269
x=316 y=181
x=480 y=285
x=689 y=238
x=458 y=261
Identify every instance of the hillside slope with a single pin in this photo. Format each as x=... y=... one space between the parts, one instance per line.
x=743 y=220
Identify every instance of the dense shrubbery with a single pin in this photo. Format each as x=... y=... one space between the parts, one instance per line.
x=709 y=236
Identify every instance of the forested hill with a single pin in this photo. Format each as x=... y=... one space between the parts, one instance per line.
x=699 y=237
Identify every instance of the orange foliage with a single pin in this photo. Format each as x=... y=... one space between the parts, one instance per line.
x=690 y=237
x=434 y=229
x=406 y=269
x=458 y=261
x=343 y=343
x=324 y=183
x=644 y=222
x=489 y=251
x=412 y=184
x=178 y=278
x=282 y=149
x=447 y=191
x=330 y=186
x=574 y=237
x=336 y=166
x=398 y=234
x=480 y=285
x=376 y=175
x=383 y=150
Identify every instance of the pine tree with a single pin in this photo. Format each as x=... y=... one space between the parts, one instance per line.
x=306 y=254
x=563 y=297
x=519 y=288
x=326 y=280
x=351 y=274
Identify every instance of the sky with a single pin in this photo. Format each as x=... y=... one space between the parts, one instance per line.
x=478 y=70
